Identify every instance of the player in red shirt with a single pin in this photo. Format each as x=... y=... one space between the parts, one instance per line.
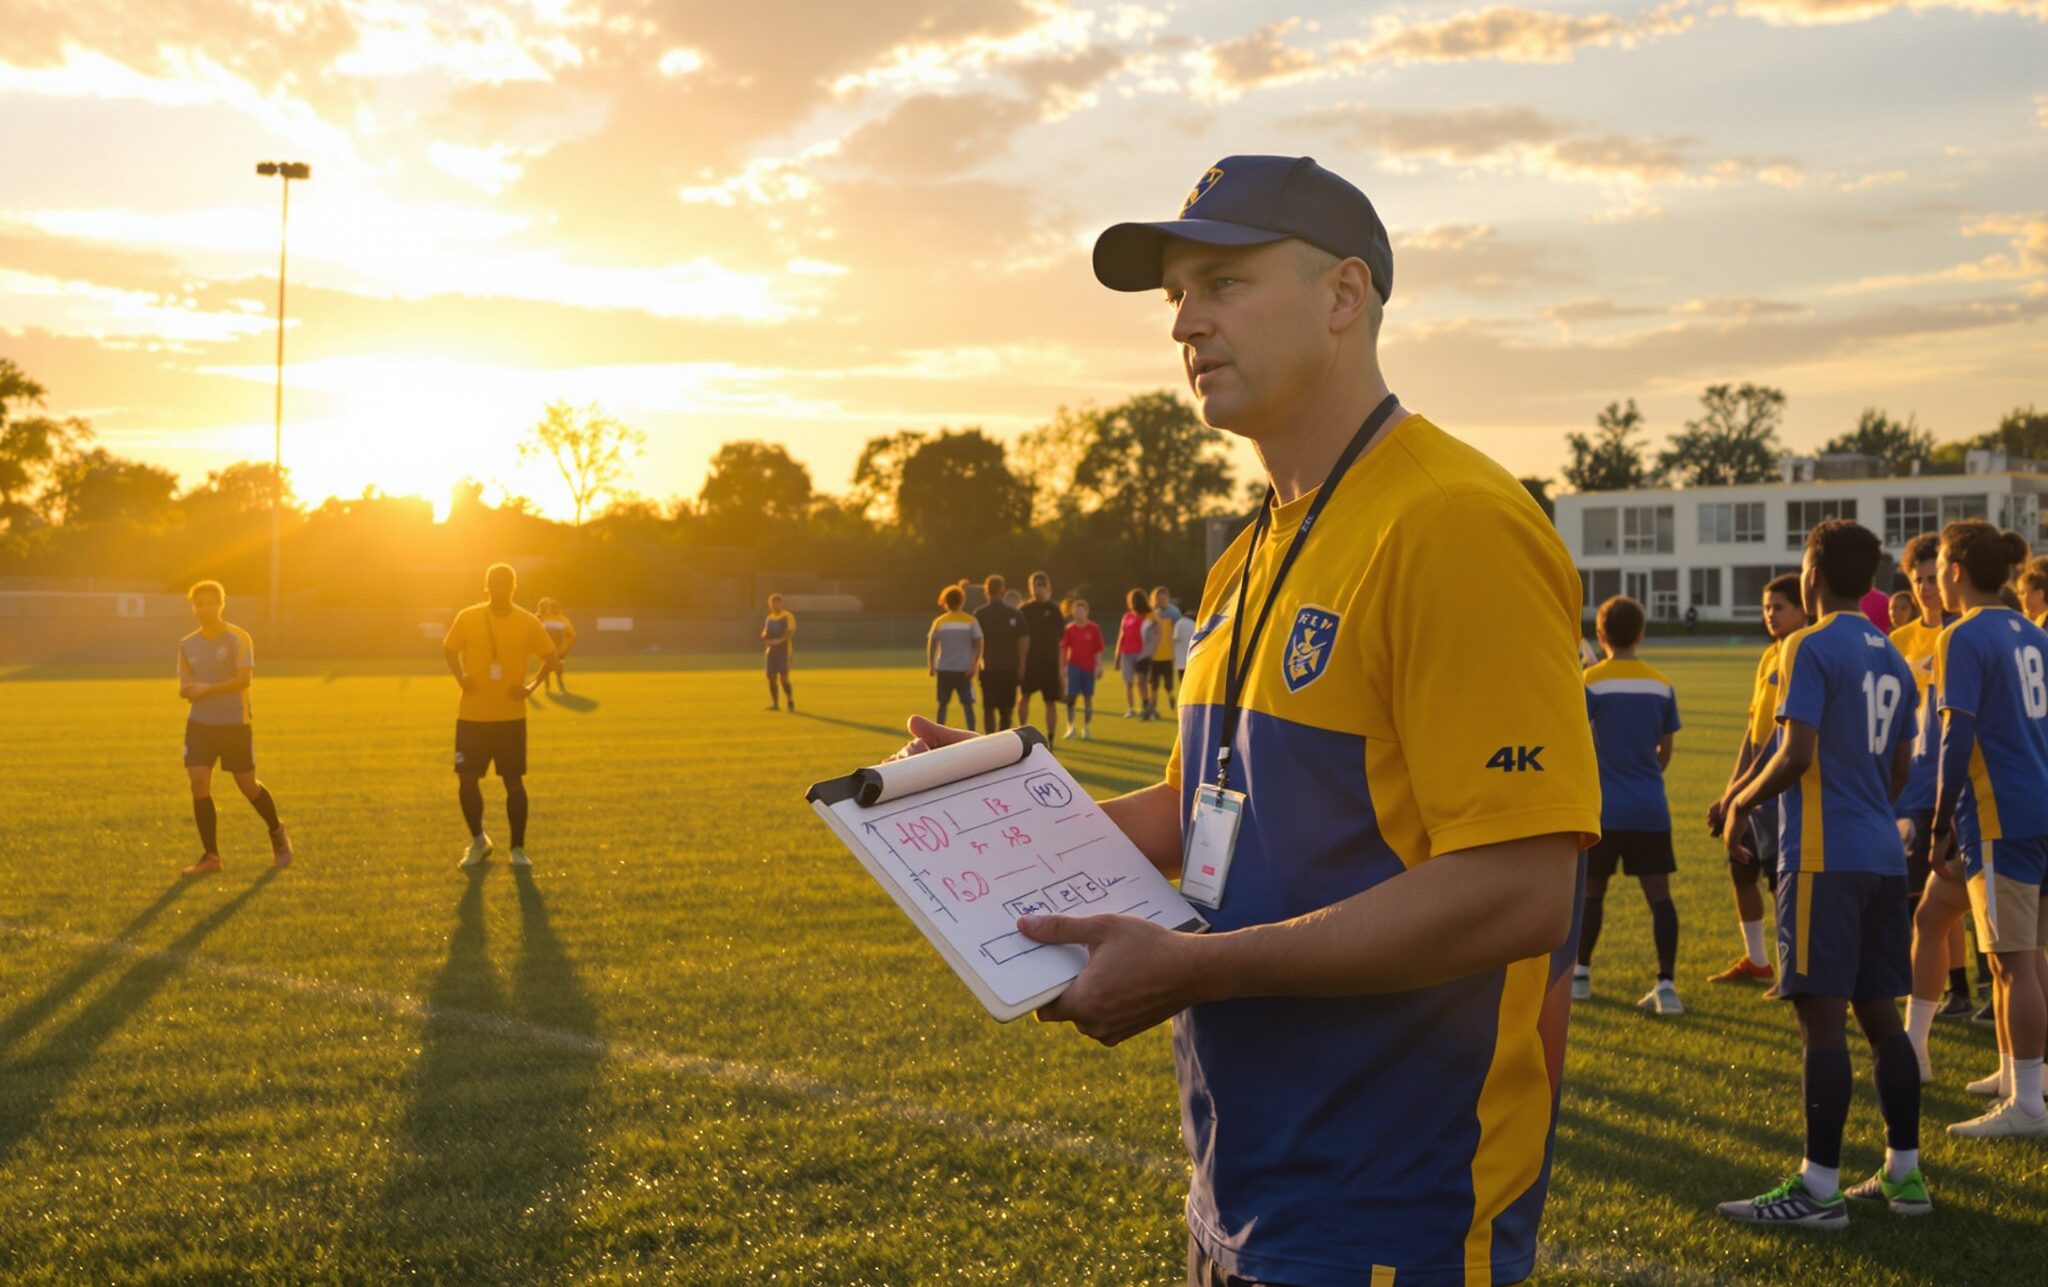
x=1081 y=653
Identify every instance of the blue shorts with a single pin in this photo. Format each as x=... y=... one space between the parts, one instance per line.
x=1080 y=682
x=1844 y=934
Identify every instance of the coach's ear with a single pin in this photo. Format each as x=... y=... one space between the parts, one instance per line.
x=927 y=736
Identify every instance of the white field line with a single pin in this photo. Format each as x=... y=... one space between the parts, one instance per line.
x=695 y=1067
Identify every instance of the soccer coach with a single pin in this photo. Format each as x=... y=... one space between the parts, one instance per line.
x=1383 y=779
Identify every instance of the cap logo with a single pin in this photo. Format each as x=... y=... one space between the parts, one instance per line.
x=1201 y=188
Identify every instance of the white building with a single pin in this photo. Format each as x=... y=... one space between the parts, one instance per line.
x=1714 y=548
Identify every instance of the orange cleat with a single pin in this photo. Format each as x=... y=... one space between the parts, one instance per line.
x=1744 y=971
x=206 y=866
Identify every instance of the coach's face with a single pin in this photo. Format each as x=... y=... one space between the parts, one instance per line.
x=1252 y=336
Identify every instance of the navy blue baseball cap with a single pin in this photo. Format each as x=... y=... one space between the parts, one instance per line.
x=1250 y=201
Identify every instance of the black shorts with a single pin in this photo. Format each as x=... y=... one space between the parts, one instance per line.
x=1763 y=842
x=1844 y=934
x=1637 y=853
x=998 y=689
x=234 y=745
x=1042 y=683
x=1919 y=844
x=481 y=743
x=1161 y=671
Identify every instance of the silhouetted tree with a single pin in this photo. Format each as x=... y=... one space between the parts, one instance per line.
x=1735 y=440
x=1898 y=443
x=751 y=487
x=958 y=491
x=1152 y=470
x=588 y=449
x=1609 y=461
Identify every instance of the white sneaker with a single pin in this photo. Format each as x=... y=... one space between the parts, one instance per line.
x=479 y=849
x=1582 y=984
x=1087 y=732
x=1986 y=1086
x=1069 y=734
x=519 y=858
x=2006 y=1120
x=1130 y=714
x=1661 y=1000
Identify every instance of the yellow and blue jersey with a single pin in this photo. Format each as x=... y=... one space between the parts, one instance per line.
x=216 y=659
x=1842 y=677
x=1916 y=641
x=1387 y=718
x=779 y=627
x=1990 y=665
x=1632 y=707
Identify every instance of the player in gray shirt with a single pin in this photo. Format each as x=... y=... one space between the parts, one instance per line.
x=215 y=664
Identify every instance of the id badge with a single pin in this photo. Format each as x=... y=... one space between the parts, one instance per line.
x=497 y=671
x=1212 y=841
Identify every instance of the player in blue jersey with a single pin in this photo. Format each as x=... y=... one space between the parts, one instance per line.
x=1845 y=749
x=1782 y=616
x=1634 y=711
x=1991 y=668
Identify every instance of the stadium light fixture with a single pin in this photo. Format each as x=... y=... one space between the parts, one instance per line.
x=285 y=171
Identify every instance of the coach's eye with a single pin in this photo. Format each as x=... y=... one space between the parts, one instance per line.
x=1224 y=282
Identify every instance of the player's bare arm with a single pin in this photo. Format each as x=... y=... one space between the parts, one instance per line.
x=1796 y=747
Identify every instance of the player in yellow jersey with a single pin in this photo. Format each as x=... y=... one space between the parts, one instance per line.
x=490 y=647
x=216 y=664
x=562 y=633
x=1783 y=617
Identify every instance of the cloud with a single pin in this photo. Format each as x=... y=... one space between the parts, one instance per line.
x=1516 y=35
x=1577 y=312
x=1815 y=13
x=1473 y=259
x=935 y=135
x=1528 y=139
x=1260 y=57
x=2024 y=261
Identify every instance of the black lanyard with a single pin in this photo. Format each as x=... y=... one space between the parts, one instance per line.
x=1236 y=665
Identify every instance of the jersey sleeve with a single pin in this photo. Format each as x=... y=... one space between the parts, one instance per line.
x=1173 y=768
x=245 y=651
x=1495 y=739
x=1958 y=673
x=1763 y=706
x=1802 y=677
x=452 y=641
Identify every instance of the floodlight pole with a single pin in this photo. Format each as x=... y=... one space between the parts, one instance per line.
x=287 y=171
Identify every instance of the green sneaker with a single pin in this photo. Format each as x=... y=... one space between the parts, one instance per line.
x=1790 y=1203
x=1907 y=1197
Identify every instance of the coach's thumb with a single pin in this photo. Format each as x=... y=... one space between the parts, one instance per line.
x=934 y=735
x=1085 y=930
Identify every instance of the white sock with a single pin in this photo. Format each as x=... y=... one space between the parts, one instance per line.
x=2026 y=1086
x=1582 y=971
x=1899 y=1163
x=1820 y=1181
x=1919 y=1022
x=1753 y=943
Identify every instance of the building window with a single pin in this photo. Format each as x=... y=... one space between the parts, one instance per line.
x=1906 y=517
x=1598 y=530
x=1606 y=584
x=1748 y=585
x=1663 y=603
x=1802 y=516
x=1732 y=523
x=1705 y=588
x=1956 y=508
x=1649 y=529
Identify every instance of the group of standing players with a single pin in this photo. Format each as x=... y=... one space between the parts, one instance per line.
x=1885 y=787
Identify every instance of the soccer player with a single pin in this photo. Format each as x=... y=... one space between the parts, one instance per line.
x=1782 y=616
x=778 y=640
x=562 y=633
x=1635 y=716
x=489 y=648
x=1044 y=623
x=1081 y=647
x=1183 y=640
x=2034 y=590
x=952 y=653
x=1991 y=670
x=1130 y=652
x=1004 y=642
x=1940 y=902
x=1159 y=655
x=215 y=665
x=1844 y=751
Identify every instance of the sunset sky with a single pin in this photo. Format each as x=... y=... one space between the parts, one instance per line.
x=813 y=221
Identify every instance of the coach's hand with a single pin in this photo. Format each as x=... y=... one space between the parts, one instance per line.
x=1734 y=827
x=927 y=736
x=1717 y=814
x=1138 y=974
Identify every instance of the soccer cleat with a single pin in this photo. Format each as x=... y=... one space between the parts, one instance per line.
x=2007 y=1120
x=1986 y=1086
x=1907 y=1197
x=1130 y=714
x=1744 y=971
x=1069 y=734
x=1956 y=1007
x=1661 y=1000
x=1790 y=1203
x=1582 y=984
x=281 y=852
x=479 y=849
x=519 y=858
x=206 y=866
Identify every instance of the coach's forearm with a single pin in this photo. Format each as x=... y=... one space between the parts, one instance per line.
x=1150 y=816
x=1453 y=916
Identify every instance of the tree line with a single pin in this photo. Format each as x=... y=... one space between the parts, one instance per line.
x=1106 y=497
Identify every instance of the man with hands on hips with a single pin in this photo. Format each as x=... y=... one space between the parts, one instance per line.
x=1379 y=798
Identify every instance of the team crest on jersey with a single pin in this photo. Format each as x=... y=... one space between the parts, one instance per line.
x=1309 y=643
x=1201 y=188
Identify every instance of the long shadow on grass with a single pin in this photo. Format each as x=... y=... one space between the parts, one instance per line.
x=32 y=1085
x=881 y=730
x=24 y=1018
x=493 y=1139
x=573 y=701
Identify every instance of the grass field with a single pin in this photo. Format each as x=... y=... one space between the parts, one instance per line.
x=698 y=1044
